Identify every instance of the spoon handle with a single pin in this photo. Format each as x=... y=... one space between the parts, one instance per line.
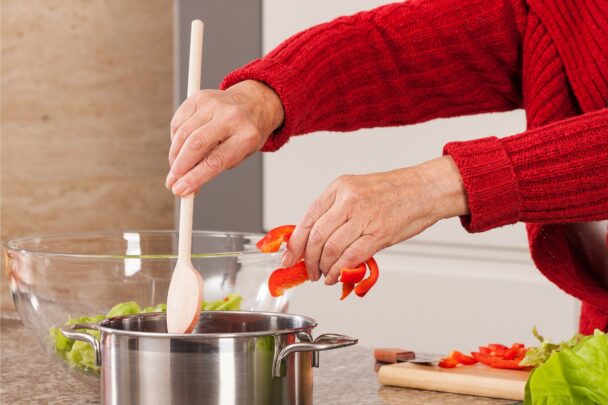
x=194 y=84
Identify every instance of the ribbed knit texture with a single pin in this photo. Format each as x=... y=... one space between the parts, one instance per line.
x=410 y=62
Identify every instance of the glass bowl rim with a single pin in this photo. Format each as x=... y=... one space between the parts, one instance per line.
x=13 y=245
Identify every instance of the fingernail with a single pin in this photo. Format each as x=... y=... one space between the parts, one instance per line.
x=170 y=180
x=179 y=188
x=287 y=259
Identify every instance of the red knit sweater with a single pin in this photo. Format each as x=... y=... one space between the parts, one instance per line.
x=410 y=62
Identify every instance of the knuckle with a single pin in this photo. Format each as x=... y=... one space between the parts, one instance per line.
x=308 y=219
x=174 y=125
x=330 y=249
x=201 y=95
x=231 y=111
x=183 y=131
x=353 y=256
x=189 y=180
x=342 y=180
x=178 y=168
x=316 y=235
x=196 y=144
x=215 y=161
x=251 y=137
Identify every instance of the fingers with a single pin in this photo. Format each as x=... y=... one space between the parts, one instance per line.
x=194 y=149
x=327 y=223
x=337 y=243
x=358 y=252
x=183 y=112
x=224 y=156
x=298 y=240
x=191 y=125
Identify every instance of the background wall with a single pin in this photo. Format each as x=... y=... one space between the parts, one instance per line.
x=87 y=96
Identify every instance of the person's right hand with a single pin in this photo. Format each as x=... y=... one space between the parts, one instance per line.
x=214 y=130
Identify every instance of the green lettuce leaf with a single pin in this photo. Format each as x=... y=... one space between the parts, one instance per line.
x=124 y=308
x=573 y=375
x=535 y=356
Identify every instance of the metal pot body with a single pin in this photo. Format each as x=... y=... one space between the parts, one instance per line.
x=231 y=358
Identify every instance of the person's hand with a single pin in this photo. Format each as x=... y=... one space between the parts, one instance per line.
x=359 y=215
x=215 y=130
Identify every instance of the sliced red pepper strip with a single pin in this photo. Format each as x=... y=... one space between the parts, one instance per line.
x=498 y=362
x=483 y=358
x=271 y=242
x=447 y=362
x=463 y=358
x=509 y=364
x=364 y=286
x=497 y=349
x=347 y=288
x=353 y=276
x=284 y=278
x=516 y=350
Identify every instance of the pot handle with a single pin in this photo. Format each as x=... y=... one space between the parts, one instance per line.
x=69 y=331
x=327 y=341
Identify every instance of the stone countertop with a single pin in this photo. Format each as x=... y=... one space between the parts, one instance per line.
x=28 y=376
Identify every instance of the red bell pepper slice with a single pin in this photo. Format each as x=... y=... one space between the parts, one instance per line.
x=353 y=276
x=456 y=358
x=364 y=286
x=284 y=278
x=271 y=242
x=347 y=288
x=516 y=351
x=448 y=362
x=498 y=362
x=352 y=279
x=463 y=358
x=497 y=349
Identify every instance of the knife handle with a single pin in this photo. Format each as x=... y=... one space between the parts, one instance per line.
x=393 y=355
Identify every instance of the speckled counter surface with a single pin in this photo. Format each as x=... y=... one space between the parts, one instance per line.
x=346 y=376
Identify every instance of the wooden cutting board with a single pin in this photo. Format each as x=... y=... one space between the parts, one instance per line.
x=471 y=380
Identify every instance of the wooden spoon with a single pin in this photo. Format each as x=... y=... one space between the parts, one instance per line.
x=186 y=289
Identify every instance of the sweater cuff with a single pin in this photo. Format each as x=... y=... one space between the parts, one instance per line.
x=490 y=182
x=285 y=84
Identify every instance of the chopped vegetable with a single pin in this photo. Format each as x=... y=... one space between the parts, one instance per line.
x=494 y=355
x=456 y=358
x=448 y=362
x=272 y=241
x=535 y=356
x=353 y=276
x=284 y=278
x=347 y=288
x=575 y=374
x=124 y=308
x=81 y=355
x=364 y=286
x=462 y=358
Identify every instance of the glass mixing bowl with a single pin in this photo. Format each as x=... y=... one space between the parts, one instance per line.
x=56 y=278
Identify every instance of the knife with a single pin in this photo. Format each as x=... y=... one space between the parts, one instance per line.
x=389 y=355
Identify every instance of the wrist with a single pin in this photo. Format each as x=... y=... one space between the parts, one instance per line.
x=446 y=187
x=263 y=104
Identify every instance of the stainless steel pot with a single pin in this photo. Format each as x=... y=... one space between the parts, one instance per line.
x=232 y=357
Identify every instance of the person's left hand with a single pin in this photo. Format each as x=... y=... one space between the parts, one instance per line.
x=359 y=215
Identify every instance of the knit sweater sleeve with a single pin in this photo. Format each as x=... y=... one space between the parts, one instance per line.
x=552 y=174
x=398 y=64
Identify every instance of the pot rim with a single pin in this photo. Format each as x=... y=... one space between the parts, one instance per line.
x=196 y=336
x=15 y=245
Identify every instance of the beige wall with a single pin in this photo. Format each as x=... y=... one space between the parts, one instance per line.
x=86 y=102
